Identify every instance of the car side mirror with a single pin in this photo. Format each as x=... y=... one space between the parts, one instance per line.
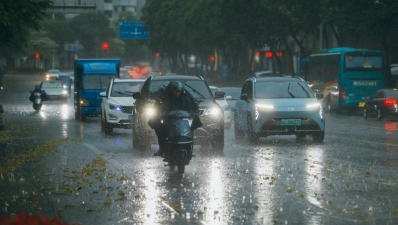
x=219 y=94
x=319 y=96
x=103 y=94
x=137 y=95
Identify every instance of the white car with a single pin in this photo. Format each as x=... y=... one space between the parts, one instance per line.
x=117 y=103
x=52 y=75
x=55 y=90
x=225 y=106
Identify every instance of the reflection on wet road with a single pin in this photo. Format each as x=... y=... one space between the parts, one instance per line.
x=349 y=179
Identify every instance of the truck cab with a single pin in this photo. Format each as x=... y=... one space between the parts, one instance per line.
x=91 y=77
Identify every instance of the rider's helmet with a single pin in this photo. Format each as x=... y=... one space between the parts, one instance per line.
x=37 y=87
x=177 y=86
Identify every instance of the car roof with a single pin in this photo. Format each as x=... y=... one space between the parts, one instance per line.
x=128 y=80
x=176 y=77
x=273 y=79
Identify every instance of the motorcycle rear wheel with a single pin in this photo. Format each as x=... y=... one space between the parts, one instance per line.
x=181 y=163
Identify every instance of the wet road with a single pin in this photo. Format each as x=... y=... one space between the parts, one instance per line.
x=70 y=169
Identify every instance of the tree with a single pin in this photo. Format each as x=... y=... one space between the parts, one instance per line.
x=91 y=29
x=17 y=17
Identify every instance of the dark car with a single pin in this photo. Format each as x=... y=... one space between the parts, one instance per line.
x=383 y=104
x=211 y=134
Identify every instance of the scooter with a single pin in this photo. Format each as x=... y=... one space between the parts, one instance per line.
x=37 y=101
x=177 y=126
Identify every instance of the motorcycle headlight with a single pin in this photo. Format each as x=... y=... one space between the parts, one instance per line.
x=150 y=111
x=115 y=107
x=64 y=92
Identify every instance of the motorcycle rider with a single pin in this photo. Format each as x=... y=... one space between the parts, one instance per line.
x=38 y=90
x=174 y=97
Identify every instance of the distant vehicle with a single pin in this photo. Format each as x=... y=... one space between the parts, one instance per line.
x=52 y=75
x=232 y=94
x=265 y=73
x=124 y=72
x=66 y=82
x=383 y=104
x=225 y=106
x=55 y=90
x=118 y=102
x=278 y=106
x=347 y=77
x=92 y=76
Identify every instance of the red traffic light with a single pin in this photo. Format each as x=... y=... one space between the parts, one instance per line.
x=212 y=58
x=37 y=56
x=105 y=45
x=157 y=54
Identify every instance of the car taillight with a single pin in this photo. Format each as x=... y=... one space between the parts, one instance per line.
x=390 y=101
x=342 y=93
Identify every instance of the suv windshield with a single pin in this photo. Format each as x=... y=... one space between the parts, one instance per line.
x=197 y=88
x=282 y=90
x=125 y=89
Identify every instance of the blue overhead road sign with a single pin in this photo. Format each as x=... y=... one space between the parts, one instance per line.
x=132 y=30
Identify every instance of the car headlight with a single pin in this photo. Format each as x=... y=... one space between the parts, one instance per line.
x=115 y=107
x=213 y=111
x=313 y=105
x=64 y=92
x=265 y=106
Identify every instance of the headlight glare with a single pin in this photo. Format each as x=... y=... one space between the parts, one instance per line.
x=150 y=112
x=115 y=107
x=213 y=111
x=313 y=105
x=264 y=106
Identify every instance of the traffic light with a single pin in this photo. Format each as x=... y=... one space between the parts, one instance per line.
x=105 y=45
x=37 y=56
x=157 y=54
x=212 y=58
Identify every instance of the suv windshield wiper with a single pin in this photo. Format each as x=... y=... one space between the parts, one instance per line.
x=288 y=91
x=306 y=92
x=123 y=93
x=197 y=92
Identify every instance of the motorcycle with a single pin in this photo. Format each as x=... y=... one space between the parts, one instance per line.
x=37 y=101
x=177 y=126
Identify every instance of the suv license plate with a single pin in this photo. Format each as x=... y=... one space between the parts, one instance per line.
x=290 y=122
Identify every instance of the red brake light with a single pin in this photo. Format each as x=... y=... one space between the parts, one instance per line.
x=342 y=93
x=390 y=101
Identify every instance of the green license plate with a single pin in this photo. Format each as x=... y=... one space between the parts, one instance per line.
x=290 y=122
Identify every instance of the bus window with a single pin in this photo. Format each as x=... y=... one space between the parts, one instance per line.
x=363 y=62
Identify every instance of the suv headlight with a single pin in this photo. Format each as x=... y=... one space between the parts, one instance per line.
x=115 y=107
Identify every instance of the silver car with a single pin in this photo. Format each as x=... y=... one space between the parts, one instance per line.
x=278 y=106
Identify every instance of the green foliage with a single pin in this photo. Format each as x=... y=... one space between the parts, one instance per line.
x=17 y=17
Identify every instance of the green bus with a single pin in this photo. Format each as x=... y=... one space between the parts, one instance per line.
x=347 y=77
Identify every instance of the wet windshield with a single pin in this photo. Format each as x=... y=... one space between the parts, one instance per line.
x=282 y=90
x=198 y=89
x=125 y=89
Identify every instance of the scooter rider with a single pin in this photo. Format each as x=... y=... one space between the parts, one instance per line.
x=38 y=90
x=174 y=97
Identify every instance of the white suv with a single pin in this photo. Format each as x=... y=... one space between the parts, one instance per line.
x=117 y=103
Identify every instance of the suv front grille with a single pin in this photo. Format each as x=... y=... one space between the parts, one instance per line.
x=127 y=109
